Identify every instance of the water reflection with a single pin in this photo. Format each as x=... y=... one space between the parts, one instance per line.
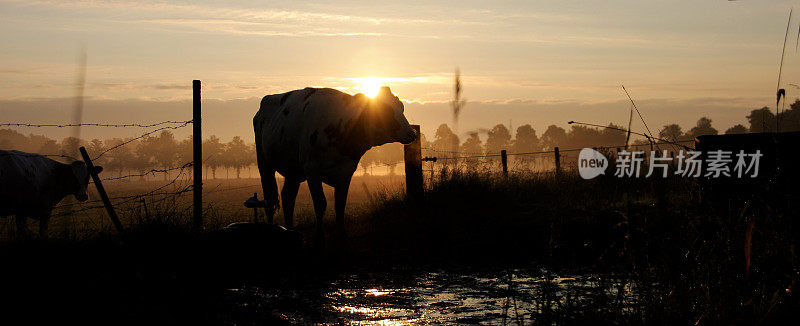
x=424 y=297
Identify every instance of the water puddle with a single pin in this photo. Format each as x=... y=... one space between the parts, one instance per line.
x=429 y=297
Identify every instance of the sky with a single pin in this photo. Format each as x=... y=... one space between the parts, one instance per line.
x=522 y=62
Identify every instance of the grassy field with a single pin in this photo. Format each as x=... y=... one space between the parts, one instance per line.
x=223 y=199
x=680 y=251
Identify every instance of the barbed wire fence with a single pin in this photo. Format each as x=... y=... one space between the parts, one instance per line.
x=533 y=161
x=169 y=191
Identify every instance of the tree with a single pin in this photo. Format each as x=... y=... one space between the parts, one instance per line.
x=49 y=147
x=553 y=136
x=69 y=147
x=369 y=159
x=120 y=158
x=185 y=151
x=446 y=141
x=213 y=151
x=525 y=141
x=164 y=153
x=672 y=132
x=473 y=144
x=737 y=129
x=95 y=147
x=390 y=155
x=761 y=120
x=237 y=155
x=499 y=139
x=703 y=127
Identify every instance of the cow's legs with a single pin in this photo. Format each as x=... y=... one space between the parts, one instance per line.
x=288 y=197
x=320 y=203
x=270 y=188
x=340 y=197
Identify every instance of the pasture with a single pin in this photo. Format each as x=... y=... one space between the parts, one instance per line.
x=481 y=248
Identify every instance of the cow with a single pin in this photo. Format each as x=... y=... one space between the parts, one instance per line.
x=31 y=184
x=318 y=135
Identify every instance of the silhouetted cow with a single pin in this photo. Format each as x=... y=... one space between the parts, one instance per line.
x=31 y=184
x=319 y=135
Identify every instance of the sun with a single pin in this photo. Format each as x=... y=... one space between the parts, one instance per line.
x=369 y=86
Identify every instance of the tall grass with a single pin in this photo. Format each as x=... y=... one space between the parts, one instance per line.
x=681 y=248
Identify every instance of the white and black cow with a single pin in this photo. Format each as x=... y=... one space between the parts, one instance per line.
x=31 y=184
x=319 y=135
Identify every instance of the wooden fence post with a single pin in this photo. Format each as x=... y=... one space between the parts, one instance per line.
x=558 y=159
x=504 y=160
x=197 y=166
x=412 y=154
x=102 y=191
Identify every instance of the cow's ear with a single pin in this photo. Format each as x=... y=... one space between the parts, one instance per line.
x=98 y=169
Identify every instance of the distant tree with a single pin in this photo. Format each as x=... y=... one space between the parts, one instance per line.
x=499 y=139
x=237 y=155
x=703 y=127
x=36 y=142
x=142 y=155
x=737 y=129
x=94 y=148
x=120 y=158
x=671 y=132
x=213 y=150
x=612 y=136
x=369 y=159
x=446 y=141
x=49 y=147
x=554 y=136
x=390 y=155
x=164 y=150
x=472 y=146
x=761 y=120
x=185 y=151
x=11 y=139
x=525 y=141
x=69 y=147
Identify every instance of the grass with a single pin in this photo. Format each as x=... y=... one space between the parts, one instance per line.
x=677 y=247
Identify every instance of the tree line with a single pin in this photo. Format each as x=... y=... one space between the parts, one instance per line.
x=129 y=156
x=164 y=151
x=525 y=139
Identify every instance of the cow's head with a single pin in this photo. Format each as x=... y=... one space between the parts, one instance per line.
x=386 y=120
x=78 y=179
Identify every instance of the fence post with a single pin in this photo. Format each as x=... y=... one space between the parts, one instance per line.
x=197 y=166
x=102 y=191
x=412 y=154
x=255 y=209
x=558 y=159
x=504 y=160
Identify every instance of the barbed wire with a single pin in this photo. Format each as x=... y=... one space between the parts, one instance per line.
x=124 y=125
x=487 y=155
x=184 y=124
x=152 y=171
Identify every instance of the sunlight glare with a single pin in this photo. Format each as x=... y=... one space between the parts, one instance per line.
x=370 y=86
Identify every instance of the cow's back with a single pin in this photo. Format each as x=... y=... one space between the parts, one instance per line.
x=27 y=182
x=290 y=130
